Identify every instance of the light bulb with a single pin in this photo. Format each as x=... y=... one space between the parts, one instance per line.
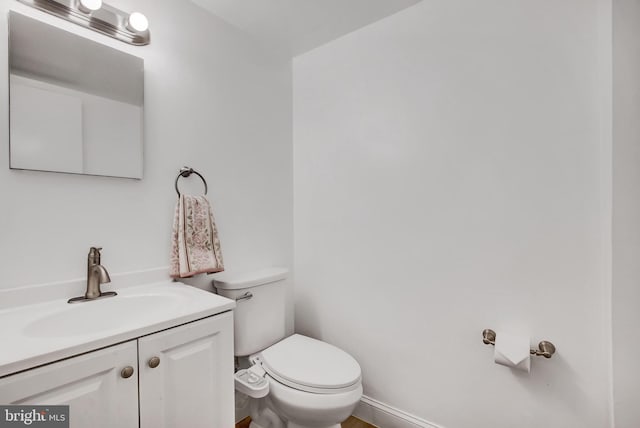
x=137 y=22
x=88 y=6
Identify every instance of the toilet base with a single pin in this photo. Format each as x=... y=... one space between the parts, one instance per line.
x=292 y=425
x=263 y=416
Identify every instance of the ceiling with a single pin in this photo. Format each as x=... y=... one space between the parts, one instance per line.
x=297 y=26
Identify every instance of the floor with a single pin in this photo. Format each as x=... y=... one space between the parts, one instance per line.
x=352 y=422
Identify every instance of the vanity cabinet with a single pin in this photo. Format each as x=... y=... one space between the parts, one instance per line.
x=181 y=377
x=91 y=384
x=192 y=384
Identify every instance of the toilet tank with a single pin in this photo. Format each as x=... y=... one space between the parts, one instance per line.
x=259 y=316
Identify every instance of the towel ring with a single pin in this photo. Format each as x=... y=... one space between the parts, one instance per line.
x=185 y=171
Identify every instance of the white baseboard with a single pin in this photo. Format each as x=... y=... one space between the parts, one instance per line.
x=385 y=416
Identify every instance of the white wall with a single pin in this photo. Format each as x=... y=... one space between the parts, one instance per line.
x=449 y=178
x=213 y=101
x=626 y=210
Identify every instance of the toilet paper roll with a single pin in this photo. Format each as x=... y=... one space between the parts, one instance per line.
x=513 y=351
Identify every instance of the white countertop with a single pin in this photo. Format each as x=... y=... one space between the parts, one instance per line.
x=44 y=332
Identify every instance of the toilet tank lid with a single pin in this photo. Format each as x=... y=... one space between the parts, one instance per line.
x=240 y=280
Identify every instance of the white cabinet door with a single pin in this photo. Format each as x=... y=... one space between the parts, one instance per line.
x=91 y=384
x=193 y=384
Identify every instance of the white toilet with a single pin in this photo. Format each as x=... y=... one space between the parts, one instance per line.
x=297 y=381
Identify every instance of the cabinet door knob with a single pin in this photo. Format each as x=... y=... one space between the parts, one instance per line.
x=127 y=372
x=154 y=362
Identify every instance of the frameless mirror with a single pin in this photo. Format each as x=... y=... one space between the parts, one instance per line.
x=75 y=106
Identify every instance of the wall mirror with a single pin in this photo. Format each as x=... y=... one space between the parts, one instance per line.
x=75 y=105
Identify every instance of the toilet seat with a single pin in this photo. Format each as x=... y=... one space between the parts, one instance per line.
x=310 y=365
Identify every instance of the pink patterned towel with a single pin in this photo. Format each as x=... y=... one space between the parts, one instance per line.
x=196 y=247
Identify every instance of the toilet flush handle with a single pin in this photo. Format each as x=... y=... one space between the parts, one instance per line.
x=246 y=296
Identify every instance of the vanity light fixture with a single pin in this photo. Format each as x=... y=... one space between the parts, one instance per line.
x=137 y=23
x=88 y=6
x=97 y=16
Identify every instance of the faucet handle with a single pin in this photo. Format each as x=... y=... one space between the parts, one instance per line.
x=94 y=255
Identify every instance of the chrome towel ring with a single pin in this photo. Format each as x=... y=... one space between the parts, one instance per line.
x=185 y=171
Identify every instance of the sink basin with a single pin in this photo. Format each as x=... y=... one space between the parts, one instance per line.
x=102 y=315
x=51 y=329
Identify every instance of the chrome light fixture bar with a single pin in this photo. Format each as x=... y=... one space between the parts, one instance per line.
x=132 y=28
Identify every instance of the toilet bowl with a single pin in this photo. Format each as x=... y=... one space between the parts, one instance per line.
x=294 y=381
x=299 y=409
x=311 y=383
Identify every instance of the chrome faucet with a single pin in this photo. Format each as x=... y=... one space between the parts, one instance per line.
x=96 y=275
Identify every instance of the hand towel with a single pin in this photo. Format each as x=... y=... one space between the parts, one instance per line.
x=195 y=248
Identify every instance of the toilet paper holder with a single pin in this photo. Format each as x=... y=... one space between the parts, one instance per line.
x=545 y=348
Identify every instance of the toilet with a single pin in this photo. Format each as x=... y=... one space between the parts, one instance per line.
x=292 y=382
